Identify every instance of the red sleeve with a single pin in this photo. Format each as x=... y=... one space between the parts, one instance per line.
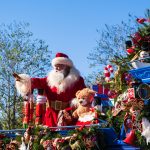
x=38 y=83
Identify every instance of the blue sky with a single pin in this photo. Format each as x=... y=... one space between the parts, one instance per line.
x=69 y=26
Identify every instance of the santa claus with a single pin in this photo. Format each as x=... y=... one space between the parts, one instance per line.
x=59 y=86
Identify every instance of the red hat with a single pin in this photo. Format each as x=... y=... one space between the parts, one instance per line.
x=61 y=58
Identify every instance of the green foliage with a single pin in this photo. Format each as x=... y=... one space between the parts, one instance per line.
x=115 y=122
x=36 y=146
x=111 y=43
x=76 y=137
x=92 y=132
x=18 y=138
x=6 y=141
x=20 y=52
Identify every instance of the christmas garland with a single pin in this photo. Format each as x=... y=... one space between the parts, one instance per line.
x=40 y=138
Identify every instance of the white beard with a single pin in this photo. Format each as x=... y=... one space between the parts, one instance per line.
x=57 y=79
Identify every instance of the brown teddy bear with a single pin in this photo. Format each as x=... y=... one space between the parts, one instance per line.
x=84 y=112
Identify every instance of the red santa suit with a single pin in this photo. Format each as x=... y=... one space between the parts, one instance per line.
x=59 y=94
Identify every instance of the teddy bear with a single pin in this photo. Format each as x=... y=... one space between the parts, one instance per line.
x=84 y=112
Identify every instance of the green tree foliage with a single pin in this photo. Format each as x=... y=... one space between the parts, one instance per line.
x=19 y=52
x=111 y=45
x=111 y=48
x=112 y=42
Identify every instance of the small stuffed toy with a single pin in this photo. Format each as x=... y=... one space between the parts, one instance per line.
x=144 y=55
x=85 y=113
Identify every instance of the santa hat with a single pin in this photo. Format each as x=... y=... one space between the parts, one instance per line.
x=61 y=58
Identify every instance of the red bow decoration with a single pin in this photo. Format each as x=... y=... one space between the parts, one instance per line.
x=141 y=20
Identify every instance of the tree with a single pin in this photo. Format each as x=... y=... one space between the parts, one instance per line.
x=21 y=53
x=111 y=44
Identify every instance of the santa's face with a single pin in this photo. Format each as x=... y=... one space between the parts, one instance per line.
x=60 y=67
x=64 y=69
x=57 y=75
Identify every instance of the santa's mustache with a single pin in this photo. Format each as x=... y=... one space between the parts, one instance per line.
x=55 y=77
x=57 y=73
x=64 y=72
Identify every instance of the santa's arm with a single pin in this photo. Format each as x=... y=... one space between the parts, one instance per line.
x=38 y=83
x=25 y=84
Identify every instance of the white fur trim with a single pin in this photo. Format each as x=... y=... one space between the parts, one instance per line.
x=24 y=86
x=87 y=117
x=62 y=60
x=67 y=82
x=41 y=99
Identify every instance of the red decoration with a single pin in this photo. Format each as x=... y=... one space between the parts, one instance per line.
x=110 y=68
x=136 y=38
x=48 y=144
x=25 y=120
x=103 y=89
x=130 y=139
x=31 y=108
x=141 y=20
x=107 y=71
x=131 y=93
x=130 y=51
x=26 y=112
x=40 y=112
x=112 y=94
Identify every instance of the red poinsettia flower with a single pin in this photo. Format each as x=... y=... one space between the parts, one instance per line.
x=141 y=20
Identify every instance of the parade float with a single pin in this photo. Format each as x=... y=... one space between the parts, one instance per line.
x=124 y=125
